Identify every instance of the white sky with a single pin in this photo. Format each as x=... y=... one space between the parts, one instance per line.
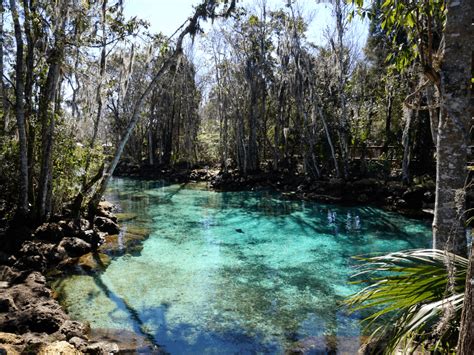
x=167 y=15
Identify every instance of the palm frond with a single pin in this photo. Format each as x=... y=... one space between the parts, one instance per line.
x=410 y=293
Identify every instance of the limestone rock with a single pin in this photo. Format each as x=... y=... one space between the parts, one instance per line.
x=73 y=329
x=58 y=348
x=75 y=246
x=11 y=339
x=52 y=232
x=30 y=307
x=102 y=348
x=37 y=255
x=94 y=261
x=106 y=225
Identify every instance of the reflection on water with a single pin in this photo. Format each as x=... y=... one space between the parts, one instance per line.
x=235 y=272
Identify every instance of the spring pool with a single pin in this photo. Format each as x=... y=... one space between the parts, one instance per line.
x=235 y=272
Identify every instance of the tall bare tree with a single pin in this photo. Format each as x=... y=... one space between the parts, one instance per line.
x=23 y=207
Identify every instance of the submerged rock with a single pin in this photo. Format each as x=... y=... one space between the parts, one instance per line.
x=94 y=261
x=122 y=244
x=126 y=217
x=128 y=342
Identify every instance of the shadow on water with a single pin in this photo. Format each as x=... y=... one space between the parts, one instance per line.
x=137 y=323
x=183 y=337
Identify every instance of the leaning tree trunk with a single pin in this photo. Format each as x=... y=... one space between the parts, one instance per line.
x=452 y=144
x=191 y=28
x=20 y=113
x=457 y=99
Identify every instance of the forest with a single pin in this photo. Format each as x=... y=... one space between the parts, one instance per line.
x=237 y=186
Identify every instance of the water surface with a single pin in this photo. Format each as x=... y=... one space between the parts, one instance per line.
x=236 y=272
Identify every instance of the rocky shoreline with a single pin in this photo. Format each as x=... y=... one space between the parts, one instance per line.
x=31 y=318
x=416 y=201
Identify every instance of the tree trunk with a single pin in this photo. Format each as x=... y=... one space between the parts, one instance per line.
x=410 y=116
x=190 y=28
x=150 y=146
x=466 y=331
x=20 y=113
x=339 y=9
x=3 y=91
x=388 y=122
x=452 y=144
x=47 y=120
x=434 y=112
x=252 y=156
x=457 y=100
x=103 y=60
x=31 y=39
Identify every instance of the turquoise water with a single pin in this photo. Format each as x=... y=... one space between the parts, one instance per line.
x=236 y=272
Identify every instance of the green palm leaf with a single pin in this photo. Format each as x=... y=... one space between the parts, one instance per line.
x=415 y=296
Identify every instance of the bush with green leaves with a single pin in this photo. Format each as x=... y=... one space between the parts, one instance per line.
x=8 y=175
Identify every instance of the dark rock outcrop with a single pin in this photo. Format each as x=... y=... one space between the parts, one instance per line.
x=51 y=232
x=31 y=320
x=75 y=246
x=38 y=255
x=28 y=306
x=106 y=225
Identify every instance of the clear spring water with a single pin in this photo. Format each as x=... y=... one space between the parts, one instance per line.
x=236 y=272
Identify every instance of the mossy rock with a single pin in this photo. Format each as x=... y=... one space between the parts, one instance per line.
x=94 y=261
x=128 y=243
x=111 y=244
x=126 y=217
x=138 y=197
x=137 y=231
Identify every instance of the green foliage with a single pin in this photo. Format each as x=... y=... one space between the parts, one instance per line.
x=415 y=297
x=69 y=165
x=414 y=28
x=8 y=175
x=208 y=144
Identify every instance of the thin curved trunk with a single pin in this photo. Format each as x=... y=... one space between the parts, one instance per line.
x=344 y=124
x=20 y=113
x=168 y=63
x=406 y=142
x=3 y=89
